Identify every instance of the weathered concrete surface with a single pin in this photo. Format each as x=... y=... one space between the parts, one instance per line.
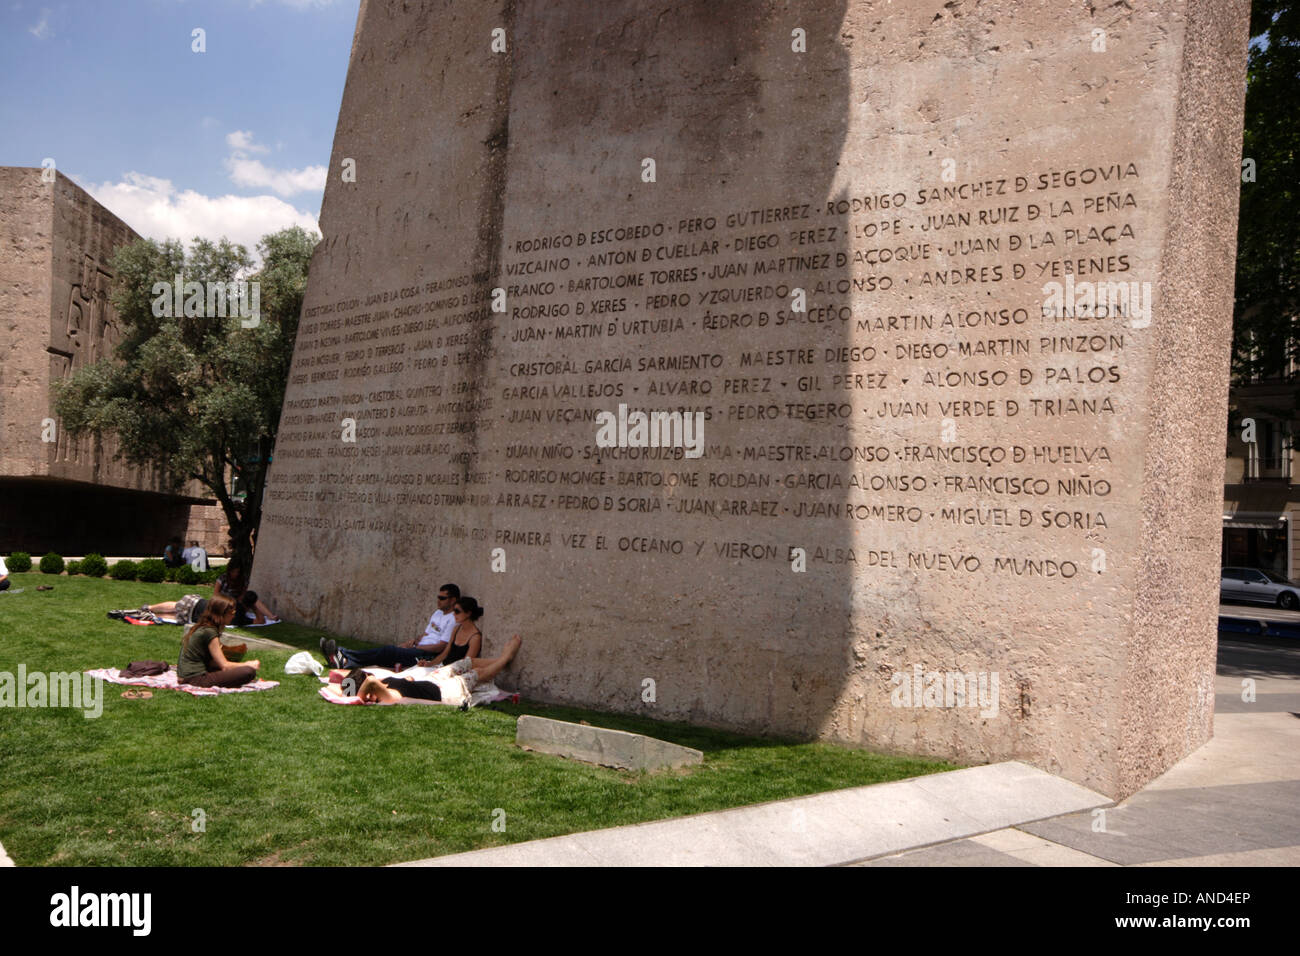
x=826 y=829
x=600 y=745
x=986 y=478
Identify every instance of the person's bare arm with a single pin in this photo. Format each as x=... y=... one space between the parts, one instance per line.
x=435 y=661
x=475 y=645
x=219 y=658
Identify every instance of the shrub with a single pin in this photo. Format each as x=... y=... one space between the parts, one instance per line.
x=93 y=566
x=210 y=575
x=73 y=567
x=52 y=564
x=169 y=574
x=186 y=575
x=152 y=570
x=19 y=562
x=123 y=571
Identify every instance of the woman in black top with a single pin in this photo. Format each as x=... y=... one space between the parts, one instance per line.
x=466 y=639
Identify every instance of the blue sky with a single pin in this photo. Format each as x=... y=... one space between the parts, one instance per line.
x=232 y=141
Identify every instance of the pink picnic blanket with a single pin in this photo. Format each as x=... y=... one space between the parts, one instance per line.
x=168 y=681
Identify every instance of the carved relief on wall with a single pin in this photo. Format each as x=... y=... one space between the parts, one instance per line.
x=88 y=324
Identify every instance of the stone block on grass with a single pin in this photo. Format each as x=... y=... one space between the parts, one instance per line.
x=599 y=745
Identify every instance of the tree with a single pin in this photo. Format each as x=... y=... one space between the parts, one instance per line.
x=1268 y=234
x=195 y=392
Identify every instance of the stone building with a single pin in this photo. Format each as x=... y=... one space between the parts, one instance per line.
x=56 y=493
x=1261 y=503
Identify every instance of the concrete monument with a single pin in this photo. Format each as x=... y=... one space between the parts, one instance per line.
x=854 y=370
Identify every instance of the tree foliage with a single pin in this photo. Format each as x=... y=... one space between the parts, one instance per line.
x=1268 y=236
x=197 y=396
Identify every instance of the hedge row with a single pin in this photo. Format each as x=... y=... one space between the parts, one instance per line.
x=151 y=570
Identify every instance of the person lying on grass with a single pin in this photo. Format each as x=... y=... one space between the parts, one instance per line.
x=234 y=585
x=448 y=685
x=189 y=608
x=465 y=641
x=186 y=610
x=202 y=663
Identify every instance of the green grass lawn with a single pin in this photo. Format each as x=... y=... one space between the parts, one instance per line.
x=283 y=777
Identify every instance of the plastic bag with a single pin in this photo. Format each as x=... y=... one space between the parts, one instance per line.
x=303 y=663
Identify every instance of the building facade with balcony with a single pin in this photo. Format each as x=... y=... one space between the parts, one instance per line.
x=1261 y=504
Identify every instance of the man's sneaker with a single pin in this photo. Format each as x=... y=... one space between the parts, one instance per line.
x=330 y=648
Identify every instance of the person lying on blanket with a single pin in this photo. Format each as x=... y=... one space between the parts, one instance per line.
x=187 y=610
x=448 y=685
x=202 y=663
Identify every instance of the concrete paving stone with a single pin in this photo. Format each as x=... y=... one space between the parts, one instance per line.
x=1230 y=685
x=1276 y=856
x=957 y=853
x=1246 y=748
x=1010 y=793
x=824 y=829
x=1264 y=703
x=1172 y=824
x=556 y=851
x=1036 y=850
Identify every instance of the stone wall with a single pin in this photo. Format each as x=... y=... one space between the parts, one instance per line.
x=26 y=239
x=69 y=495
x=859 y=242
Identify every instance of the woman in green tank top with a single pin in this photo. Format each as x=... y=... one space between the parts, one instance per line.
x=202 y=663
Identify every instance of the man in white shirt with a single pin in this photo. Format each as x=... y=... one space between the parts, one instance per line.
x=437 y=634
x=195 y=557
x=438 y=631
x=4 y=577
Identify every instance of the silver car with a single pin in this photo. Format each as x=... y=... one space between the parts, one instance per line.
x=1256 y=586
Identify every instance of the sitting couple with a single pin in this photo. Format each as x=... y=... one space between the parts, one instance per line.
x=451 y=642
x=450 y=636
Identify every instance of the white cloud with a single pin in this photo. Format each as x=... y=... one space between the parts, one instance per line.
x=154 y=208
x=41 y=29
x=254 y=174
x=242 y=140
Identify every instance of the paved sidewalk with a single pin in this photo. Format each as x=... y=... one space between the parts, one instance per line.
x=825 y=829
x=1231 y=803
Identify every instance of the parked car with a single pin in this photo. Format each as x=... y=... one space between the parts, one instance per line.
x=1257 y=586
